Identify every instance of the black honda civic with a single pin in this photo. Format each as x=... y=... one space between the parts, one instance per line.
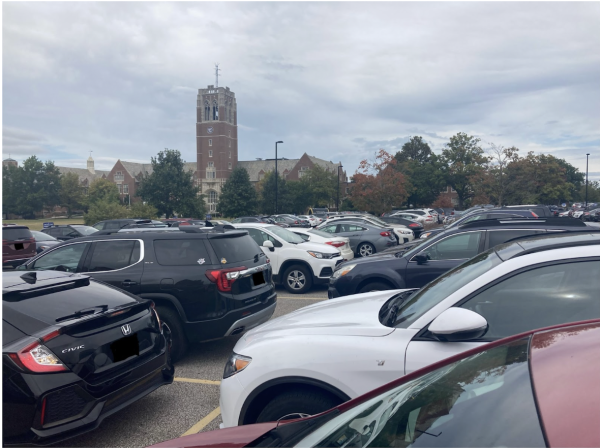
x=75 y=350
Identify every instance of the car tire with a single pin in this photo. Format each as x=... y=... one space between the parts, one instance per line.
x=297 y=401
x=173 y=323
x=297 y=279
x=374 y=286
x=365 y=249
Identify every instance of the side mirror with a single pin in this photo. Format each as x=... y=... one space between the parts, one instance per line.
x=269 y=244
x=458 y=324
x=421 y=259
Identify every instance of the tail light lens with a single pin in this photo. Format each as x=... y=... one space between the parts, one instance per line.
x=336 y=243
x=534 y=215
x=224 y=278
x=384 y=233
x=37 y=358
x=295 y=222
x=414 y=224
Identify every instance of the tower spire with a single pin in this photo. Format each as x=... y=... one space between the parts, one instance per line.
x=217 y=70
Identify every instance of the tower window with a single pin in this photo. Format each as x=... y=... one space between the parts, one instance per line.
x=210 y=142
x=229 y=165
x=215 y=111
x=210 y=153
x=211 y=175
x=228 y=133
x=230 y=143
x=211 y=164
x=230 y=154
x=206 y=111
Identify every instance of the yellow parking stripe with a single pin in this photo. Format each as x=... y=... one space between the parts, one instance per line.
x=193 y=380
x=203 y=423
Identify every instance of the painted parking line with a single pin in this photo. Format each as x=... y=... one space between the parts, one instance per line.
x=301 y=298
x=193 y=380
x=203 y=423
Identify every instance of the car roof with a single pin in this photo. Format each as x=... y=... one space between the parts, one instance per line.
x=153 y=232
x=545 y=222
x=14 y=226
x=544 y=242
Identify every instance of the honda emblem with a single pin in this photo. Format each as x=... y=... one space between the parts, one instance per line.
x=126 y=329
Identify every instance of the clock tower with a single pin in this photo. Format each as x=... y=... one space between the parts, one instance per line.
x=216 y=139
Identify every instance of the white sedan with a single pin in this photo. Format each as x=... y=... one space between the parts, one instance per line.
x=318 y=236
x=415 y=217
x=313 y=220
x=324 y=354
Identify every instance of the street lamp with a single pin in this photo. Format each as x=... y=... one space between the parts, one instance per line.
x=276 y=176
x=587 y=159
x=337 y=203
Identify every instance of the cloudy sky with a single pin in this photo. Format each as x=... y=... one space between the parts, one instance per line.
x=336 y=80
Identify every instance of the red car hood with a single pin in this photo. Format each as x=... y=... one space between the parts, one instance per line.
x=235 y=437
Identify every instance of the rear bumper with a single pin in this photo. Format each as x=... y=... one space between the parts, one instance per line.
x=154 y=373
x=249 y=322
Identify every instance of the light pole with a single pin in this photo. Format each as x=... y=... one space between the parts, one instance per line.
x=587 y=159
x=276 y=176
x=337 y=203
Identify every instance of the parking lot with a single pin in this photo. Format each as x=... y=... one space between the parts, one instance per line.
x=191 y=403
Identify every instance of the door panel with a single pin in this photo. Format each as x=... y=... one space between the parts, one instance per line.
x=423 y=353
x=116 y=262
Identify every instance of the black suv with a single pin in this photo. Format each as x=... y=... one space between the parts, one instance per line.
x=428 y=260
x=207 y=283
x=115 y=224
x=68 y=232
x=74 y=352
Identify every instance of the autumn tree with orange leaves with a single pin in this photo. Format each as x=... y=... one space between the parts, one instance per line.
x=378 y=186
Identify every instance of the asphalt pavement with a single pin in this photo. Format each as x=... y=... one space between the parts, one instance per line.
x=191 y=403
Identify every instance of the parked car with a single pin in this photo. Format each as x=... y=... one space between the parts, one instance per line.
x=413 y=216
x=401 y=232
x=416 y=227
x=251 y=219
x=74 y=352
x=428 y=216
x=426 y=262
x=18 y=245
x=324 y=354
x=594 y=215
x=112 y=224
x=312 y=220
x=290 y=221
x=207 y=283
x=318 y=236
x=69 y=231
x=43 y=241
x=541 y=210
x=296 y=263
x=365 y=238
x=465 y=398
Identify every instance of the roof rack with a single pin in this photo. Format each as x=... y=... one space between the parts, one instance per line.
x=545 y=221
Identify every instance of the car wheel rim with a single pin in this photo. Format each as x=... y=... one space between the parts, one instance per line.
x=366 y=251
x=296 y=280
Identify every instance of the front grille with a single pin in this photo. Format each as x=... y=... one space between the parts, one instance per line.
x=63 y=404
x=326 y=272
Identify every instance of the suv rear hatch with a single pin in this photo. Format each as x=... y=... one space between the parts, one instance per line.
x=17 y=243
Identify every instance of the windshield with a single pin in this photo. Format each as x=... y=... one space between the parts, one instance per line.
x=467 y=403
x=440 y=288
x=85 y=230
x=285 y=235
x=41 y=236
x=321 y=233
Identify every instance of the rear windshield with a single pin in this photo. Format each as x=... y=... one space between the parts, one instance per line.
x=16 y=234
x=236 y=249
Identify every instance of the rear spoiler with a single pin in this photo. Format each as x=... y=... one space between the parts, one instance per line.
x=45 y=286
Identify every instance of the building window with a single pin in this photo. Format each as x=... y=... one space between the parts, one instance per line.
x=211 y=175
x=228 y=133
x=215 y=111
x=210 y=153
x=210 y=143
x=119 y=176
x=230 y=154
x=120 y=188
x=125 y=188
x=212 y=200
x=230 y=143
x=229 y=165
x=211 y=164
x=206 y=111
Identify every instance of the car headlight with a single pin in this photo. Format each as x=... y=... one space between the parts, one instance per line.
x=343 y=270
x=322 y=255
x=236 y=363
x=425 y=235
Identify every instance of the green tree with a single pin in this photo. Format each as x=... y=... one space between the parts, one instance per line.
x=104 y=209
x=321 y=186
x=11 y=193
x=170 y=188
x=497 y=183
x=238 y=196
x=298 y=197
x=141 y=210
x=71 y=194
x=102 y=190
x=463 y=161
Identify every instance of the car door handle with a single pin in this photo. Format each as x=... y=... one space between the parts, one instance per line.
x=128 y=283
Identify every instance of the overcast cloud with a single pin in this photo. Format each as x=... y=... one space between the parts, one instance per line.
x=335 y=80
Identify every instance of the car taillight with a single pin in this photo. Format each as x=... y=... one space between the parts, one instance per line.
x=224 y=278
x=534 y=215
x=384 y=233
x=37 y=358
x=336 y=243
x=414 y=224
x=295 y=222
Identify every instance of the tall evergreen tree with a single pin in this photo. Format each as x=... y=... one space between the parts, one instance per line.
x=238 y=195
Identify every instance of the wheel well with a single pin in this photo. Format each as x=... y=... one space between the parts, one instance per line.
x=374 y=280
x=286 y=264
x=166 y=303
x=254 y=405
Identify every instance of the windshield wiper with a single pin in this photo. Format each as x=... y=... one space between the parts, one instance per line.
x=84 y=312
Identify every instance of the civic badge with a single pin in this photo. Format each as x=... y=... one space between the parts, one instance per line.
x=223 y=260
x=126 y=329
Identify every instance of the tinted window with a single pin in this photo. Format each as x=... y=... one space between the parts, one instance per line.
x=68 y=232
x=54 y=231
x=539 y=298
x=351 y=228
x=111 y=255
x=15 y=234
x=483 y=400
x=85 y=230
x=329 y=229
x=233 y=250
x=64 y=258
x=501 y=236
x=190 y=252
x=112 y=225
x=455 y=247
x=99 y=226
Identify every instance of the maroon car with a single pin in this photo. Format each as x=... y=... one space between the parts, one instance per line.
x=18 y=245
x=536 y=389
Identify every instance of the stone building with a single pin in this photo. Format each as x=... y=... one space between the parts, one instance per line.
x=10 y=162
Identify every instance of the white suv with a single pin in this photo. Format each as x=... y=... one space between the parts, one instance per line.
x=296 y=263
x=324 y=354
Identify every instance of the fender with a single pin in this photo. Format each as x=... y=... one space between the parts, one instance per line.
x=169 y=298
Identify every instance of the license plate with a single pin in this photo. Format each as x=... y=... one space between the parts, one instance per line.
x=18 y=246
x=126 y=347
x=258 y=278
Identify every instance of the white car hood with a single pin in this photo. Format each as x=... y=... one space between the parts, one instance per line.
x=356 y=315
x=317 y=247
